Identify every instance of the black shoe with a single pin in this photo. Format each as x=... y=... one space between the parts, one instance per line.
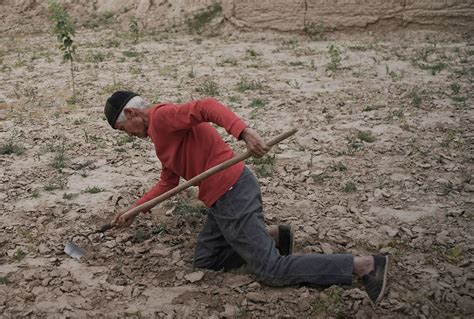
x=376 y=281
x=285 y=239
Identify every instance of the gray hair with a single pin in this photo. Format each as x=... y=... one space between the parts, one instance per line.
x=136 y=102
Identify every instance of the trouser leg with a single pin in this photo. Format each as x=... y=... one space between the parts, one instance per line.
x=212 y=250
x=238 y=216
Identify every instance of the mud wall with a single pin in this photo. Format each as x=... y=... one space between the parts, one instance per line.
x=278 y=15
x=293 y=15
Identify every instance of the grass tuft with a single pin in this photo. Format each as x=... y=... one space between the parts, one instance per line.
x=209 y=88
x=94 y=190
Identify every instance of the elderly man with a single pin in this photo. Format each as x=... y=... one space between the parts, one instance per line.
x=234 y=232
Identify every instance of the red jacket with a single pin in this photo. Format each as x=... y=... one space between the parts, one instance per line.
x=187 y=145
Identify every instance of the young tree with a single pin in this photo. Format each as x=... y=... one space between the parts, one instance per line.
x=64 y=30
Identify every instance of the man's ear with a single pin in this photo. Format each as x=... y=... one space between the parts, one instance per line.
x=129 y=113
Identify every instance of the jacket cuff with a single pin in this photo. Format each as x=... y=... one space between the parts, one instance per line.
x=237 y=128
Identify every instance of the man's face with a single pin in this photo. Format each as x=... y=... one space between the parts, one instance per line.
x=134 y=125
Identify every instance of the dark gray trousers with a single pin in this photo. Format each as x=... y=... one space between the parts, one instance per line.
x=235 y=234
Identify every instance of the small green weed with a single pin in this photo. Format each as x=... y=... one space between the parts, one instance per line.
x=11 y=148
x=3 y=280
x=455 y=88
x=79 y=121
x=234 y=99
x=320 y=178
x=70 y=196
x=133 y=28
x=228 y=61
x=264 y=166
x=459 y=98
x=19 y=254
x=446 y=188
x=95 y=57
x=335 y=57
x=245 y=85
x=208 y=88
x=124 y=139
x=158 y=230
x=416 y=98
x=35 y=193
x=353 y=145
x=191 y=73
x=251 y=53
x=94 y=190
x=131 y=54
x=338 y=167
x=349 y=187
x=257 y=103
x=200 y=20
x=329 y=304
x=454 y=256
x=434 y=68
x=314 y=31
x=184 y=207
x=139 y=237
x=59 y=160
x=366 y=136
x=57 y=182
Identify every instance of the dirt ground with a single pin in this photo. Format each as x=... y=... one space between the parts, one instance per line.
x=382 y=163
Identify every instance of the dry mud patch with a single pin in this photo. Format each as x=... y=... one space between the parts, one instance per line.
x=382 y=162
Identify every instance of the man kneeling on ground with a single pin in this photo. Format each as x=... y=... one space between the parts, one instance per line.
x=234 y=232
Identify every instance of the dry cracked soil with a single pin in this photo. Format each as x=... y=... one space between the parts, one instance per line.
x=382 y=163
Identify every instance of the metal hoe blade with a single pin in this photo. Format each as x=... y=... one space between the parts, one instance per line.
x=73 y=250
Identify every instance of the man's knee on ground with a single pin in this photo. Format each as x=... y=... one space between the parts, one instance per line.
x=205 y=263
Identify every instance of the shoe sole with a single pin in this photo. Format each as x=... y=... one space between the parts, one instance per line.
x=287 y=230
x=384 y=285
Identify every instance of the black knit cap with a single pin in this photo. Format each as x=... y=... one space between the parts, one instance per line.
x=115 y=104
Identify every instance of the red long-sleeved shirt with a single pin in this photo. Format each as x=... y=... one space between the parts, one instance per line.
x=187 y=145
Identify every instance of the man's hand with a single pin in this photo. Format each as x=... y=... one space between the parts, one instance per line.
x=120 y=221
x=255 y=143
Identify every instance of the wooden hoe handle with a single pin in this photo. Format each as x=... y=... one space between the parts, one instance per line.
x=198 y=178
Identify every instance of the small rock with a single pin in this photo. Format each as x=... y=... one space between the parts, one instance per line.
x=391 y=232
x=304 y=305
x=176 y=256
x=327 y=249
x=355 y=293
x=38 y=290
x=230 y=311
x=386 y=194
x=454 y=271
x=110 y=244
x=136 y=292
x=43 y=249
x=466 y=304
x=433 y=272
x=179 y=275
x=116 y=288
x=338 y=209
x=407 y=231
x=194 y=276
x=45 y=282
x=309 y=230
x=378 y=193
x=255 y=285
x=426 y=310
x=469 y=188
x=256 y=297
x=160 y=251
